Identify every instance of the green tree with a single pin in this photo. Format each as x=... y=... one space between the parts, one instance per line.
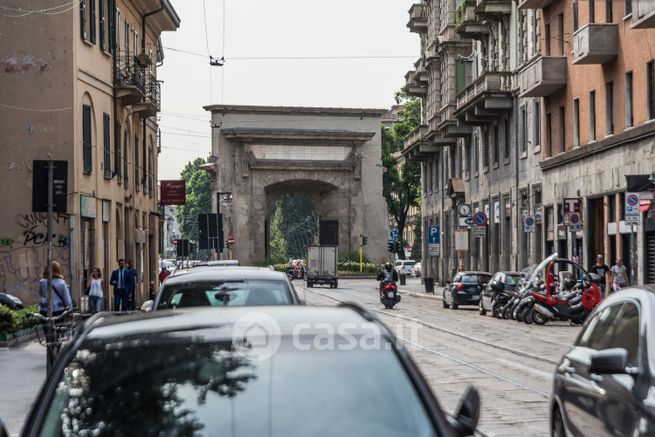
x=402 y=179
x=293 y=225
x=198 y=198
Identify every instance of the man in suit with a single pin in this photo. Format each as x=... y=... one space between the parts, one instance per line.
x=131 y=285
x=120 y=279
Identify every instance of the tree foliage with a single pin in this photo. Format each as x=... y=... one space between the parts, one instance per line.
x=293 y=225
x=402 y=179
x=198 y=198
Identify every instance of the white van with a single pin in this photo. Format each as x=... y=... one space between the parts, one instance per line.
x=404 y=266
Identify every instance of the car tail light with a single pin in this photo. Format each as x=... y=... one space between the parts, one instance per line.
x=459 y=287
x=386 y=287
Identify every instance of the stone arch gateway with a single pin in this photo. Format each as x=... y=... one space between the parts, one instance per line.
x=330 y=155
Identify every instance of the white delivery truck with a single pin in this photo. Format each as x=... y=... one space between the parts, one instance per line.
x=322 y=266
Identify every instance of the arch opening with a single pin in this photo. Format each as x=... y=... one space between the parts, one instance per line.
x=291 y=227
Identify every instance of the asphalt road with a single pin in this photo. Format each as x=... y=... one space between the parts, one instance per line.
x=510 y=363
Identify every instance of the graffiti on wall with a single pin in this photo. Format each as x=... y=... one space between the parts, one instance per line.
x=23 y=253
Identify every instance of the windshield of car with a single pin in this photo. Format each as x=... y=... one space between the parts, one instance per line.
x=180 y=388
x=475 y=279
x=224 y=293
x=512 y=279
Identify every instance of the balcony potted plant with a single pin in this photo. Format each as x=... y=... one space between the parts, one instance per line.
x=144 y=59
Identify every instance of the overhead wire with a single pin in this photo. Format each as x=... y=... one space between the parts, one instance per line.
x=204 y=17
x=54 y=10
x=298 y=58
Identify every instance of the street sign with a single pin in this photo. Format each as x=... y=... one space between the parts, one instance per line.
x=394 y=234
x=479 y=231
x=632 y=210
x=40 y=186
x=528 y=224
x=464 y=210
x=231 y=240
x=464 y=222
x=172 y=192
x=571 y=207
x=480 y=219
x=434 y=240
x=461 y=239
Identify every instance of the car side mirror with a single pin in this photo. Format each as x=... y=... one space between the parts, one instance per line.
x=467 y=412
x=147 y=306
x=609 y=361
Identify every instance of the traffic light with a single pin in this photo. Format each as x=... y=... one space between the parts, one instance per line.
x=390 y=245
x=364 y=241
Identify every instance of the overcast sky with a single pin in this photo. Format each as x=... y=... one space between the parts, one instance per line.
x=281 y=28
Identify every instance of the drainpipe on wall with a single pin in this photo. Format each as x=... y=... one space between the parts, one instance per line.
x=515 y=107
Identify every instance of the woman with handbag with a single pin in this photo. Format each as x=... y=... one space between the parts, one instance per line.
x=61 y=297
x=95 y=290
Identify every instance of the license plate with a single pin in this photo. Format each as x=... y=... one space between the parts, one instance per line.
x=390 y=294
x=475 y=297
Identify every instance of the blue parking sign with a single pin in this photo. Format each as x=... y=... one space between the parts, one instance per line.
x=434 y=236
x=394 y=234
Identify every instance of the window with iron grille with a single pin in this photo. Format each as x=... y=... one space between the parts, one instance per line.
x=106 y=143
x=86 y=139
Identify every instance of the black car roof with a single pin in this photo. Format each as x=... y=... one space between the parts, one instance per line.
x=225 y=273
x=186 y=323
x=472 y=272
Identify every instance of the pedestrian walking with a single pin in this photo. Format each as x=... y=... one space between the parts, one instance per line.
x=95 y=290
x=602 y=270
x=61 y=297
x=163 y=274
x=619 y=274
x=132 y=280
x=119 y=280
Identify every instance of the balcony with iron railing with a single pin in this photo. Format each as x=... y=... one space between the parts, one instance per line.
x=543 y=76
x=418 y=18
x=595 y=43
x=487 y=97
x=151 y=103
x=129 y=78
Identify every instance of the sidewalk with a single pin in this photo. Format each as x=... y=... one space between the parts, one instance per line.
x=23 y=371
x=415 y=288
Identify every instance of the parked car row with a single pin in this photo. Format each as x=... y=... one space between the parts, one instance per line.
x=605 y=384
x=214 y=340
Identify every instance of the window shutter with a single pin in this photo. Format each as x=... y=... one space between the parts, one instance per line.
x=107 y=144
x=86 y=138
x=83 y=19
x=137 y=183
x=102 y=21
x=92 y=19
x=118 y=162
x=125 y=158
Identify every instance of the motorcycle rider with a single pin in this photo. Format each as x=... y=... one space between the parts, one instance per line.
x=389 y=274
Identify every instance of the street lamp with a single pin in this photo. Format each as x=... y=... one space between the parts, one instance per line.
x=227 y=198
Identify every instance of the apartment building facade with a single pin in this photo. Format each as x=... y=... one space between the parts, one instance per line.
x=598 y=125
x=540 y=101
x=477 y=143
x=79 y=84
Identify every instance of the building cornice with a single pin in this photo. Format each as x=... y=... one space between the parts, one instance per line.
x=624 y=138
x=295 y=110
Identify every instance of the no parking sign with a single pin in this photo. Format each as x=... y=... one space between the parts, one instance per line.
x=528 y=224
x=632 y=212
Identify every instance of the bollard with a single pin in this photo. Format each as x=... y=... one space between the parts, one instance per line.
x=403 y=279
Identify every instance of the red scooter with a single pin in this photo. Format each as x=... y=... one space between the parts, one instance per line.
x=576 y=299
